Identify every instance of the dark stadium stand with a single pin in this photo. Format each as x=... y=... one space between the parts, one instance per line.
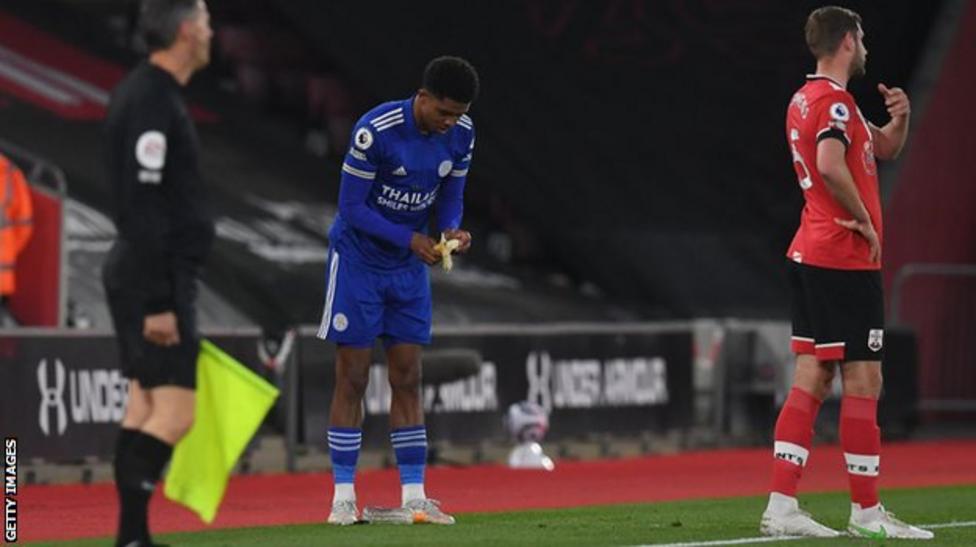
x=623 y=312
x=641 y=141
x=691 y=226
x=274 y=201
x=932 y=228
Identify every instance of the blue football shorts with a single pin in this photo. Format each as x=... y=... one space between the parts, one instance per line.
x=363 y=304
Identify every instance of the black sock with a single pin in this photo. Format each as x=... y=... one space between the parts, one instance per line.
x=122 y=443
x=138 y=469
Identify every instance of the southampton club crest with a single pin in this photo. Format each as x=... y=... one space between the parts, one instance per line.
x=875 y=339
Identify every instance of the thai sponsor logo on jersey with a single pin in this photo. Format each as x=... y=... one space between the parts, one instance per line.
x=398 y=199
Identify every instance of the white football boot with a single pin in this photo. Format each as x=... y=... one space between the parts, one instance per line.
x=877 y=523
x=783 y=517
x=429 y=511
x=343 y=513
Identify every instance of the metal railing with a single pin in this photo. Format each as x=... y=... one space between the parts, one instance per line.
x=944 y=320
x=38 y=170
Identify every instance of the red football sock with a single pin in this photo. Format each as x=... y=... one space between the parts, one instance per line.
x=861 y=439
x=794 y=435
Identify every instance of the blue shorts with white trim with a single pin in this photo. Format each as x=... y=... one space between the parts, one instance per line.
x=363 y=304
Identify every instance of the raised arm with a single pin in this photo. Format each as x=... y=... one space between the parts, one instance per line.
x=890 y=139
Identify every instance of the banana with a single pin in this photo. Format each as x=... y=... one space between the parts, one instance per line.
x=445 y=248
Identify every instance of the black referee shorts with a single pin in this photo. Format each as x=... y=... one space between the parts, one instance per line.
x=838 y=315
x=151 y=364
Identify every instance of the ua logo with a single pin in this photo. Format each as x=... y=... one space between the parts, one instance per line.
x=538 y=370
x=52 y=397
x=875 y=339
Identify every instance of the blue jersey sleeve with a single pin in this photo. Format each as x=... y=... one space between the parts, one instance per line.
x=450 y=203
x=358 y=173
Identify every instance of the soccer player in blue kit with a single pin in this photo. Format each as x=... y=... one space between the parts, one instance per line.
x=406 y=158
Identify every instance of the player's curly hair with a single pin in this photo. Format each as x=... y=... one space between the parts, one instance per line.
x=826 y=28
x=451 y=78
x=159 y=21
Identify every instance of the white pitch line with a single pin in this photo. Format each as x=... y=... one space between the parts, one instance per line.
x=965 y=524
x=764 y=539
x=739 y=541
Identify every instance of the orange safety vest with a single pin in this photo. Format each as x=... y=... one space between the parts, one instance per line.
x=16 y=220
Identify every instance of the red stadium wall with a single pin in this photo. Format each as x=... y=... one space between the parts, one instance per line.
x=37 y=301
x=931 y=218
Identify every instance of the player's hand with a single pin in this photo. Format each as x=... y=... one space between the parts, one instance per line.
x=896 y=101
x=867 y=231
x=463 y=237
x=160 y=329
x=423 y=247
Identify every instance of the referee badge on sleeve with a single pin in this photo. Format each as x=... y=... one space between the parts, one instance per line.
x=875 y=339
x=151 y=150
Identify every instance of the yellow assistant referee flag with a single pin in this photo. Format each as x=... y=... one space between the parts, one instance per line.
x=231 y=402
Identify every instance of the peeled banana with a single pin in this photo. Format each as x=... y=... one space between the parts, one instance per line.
x=445 y=248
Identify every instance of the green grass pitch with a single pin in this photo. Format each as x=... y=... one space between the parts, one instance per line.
x=684 y=521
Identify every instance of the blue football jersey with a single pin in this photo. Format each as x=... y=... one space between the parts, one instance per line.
x=407 y=173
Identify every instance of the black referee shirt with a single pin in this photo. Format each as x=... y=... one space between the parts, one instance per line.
x=165 y=229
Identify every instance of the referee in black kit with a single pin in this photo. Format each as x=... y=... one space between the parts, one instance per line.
x=165 y=234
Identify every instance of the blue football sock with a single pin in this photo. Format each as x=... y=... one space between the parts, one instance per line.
x=410 y=446
x=344 y=445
